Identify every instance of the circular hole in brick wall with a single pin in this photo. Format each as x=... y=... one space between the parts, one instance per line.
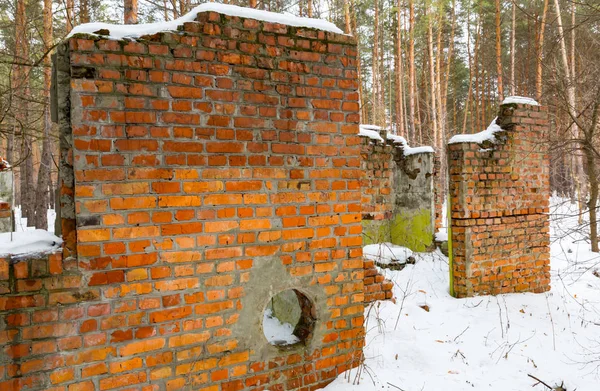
x=289 y=318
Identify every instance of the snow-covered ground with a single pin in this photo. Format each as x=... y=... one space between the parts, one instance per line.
x=21 y=222
x=276 y=332
x=428 y=340
x=386 y=253
x=28 y=240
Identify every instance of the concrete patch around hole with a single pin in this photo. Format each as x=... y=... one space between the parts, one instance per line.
x=288 y=319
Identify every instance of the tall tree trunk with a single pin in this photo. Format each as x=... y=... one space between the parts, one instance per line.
x=70 y=22
x=354 y=29
x=434 y=119
x=570 y=86
x=573 y=27
x=476 y=103
x=540 y=54
x=499 y=51
x=347 y=17
x=513 y=35
x=309 y=8
x=376 y=82
x=29 y=181
x=418 y=91
x=130 y=15
x=470 y=59
x=84 y=11
x=166 y=10
x=593 y=198
x=440 y=115
x=252 y=3
x=43 y=182
x=592 y=171
x=21 y=108
x=399 y=74
x=174 y=9
x=450 y=58
x=412 y=131
x=484 y=75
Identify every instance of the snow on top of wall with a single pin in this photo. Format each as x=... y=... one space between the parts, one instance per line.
x=138 y=30
x=408 y=150
x=485 y=135
x=521 y=100
x=29 y=242
x=370 y=131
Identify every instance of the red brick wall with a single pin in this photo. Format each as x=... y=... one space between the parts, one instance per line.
x=499 y=195
x=376 y=285
x=397 y=194
x=36 y=334
x=213 y=168
x=378 y=164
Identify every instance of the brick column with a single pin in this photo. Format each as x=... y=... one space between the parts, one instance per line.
x=499 y=194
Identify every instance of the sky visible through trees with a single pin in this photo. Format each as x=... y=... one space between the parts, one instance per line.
x=429 y=69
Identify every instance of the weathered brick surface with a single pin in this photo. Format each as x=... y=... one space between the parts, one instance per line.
x=378 y=182
x=211 y=168
x=397 y=194
x=377 y=287
x=499 y=196
x=36 y=334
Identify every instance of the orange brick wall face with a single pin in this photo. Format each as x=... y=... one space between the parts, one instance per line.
x=499 y=208
x=377 y=183
x=212 y=169
x=36 y=335
x=376 y=285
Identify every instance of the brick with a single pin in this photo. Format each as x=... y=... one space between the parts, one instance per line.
x=198 y=156
x=141 y=346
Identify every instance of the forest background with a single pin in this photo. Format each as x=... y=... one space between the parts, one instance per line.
x=428 y=69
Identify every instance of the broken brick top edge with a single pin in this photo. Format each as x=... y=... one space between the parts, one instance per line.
x=121 y=32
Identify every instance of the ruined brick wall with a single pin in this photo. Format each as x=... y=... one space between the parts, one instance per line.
x=377 y=198
x=377 y=287
x=499 y=195
x=211 y=169
x=36 y=334
x=397 y=194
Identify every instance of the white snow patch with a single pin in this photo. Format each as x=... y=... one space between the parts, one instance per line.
x=386 y=253
x=520 y=100
x=278 y=333
x=21 y=222
x=138 y=30
x=486 y=135
x=31 y=242
x=441 y=235
x=370 y=131
x=373 y=132
x=406 y=149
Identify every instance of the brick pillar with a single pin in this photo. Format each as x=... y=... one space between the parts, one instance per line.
x=499 y=193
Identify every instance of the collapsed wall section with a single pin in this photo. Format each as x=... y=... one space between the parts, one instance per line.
x=203 y=172
x=397 y=190
x=499 y=195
